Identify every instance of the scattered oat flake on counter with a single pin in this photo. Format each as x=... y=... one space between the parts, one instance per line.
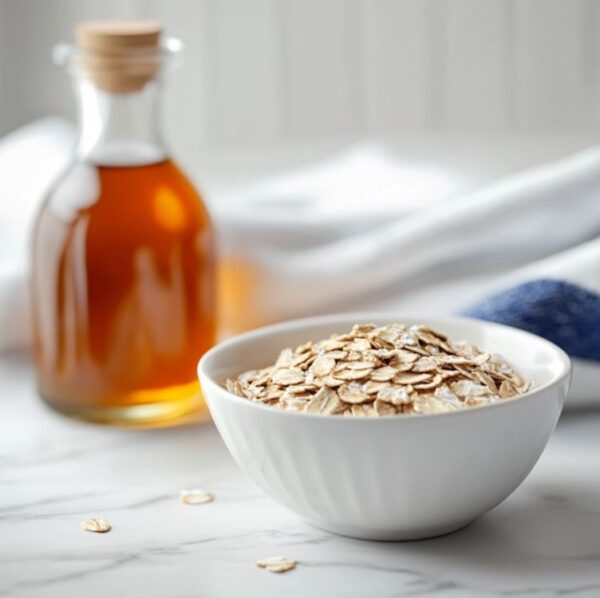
x=375 y=371
x=98 y=526
x=277 y=564
x=196 y=497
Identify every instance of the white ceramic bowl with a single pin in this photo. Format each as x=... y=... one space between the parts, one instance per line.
x=397 y=477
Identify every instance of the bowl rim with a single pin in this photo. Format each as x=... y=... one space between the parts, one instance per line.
x=299 y=323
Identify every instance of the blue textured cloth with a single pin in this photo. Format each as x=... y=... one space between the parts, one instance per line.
x=564 y=313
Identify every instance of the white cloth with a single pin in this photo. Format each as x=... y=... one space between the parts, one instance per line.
x=363 y=231
x=31 y=158
x=407 y=251
x=314 y=247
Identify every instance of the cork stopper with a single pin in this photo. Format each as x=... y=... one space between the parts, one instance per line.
x=119 y=56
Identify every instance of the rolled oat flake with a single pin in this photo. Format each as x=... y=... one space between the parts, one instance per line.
x=277 y=564
x=196 y=497
x=98 y=526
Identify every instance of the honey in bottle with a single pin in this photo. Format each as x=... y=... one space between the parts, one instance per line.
x=123 y=257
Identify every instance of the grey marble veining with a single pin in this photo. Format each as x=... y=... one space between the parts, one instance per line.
x=542 y=541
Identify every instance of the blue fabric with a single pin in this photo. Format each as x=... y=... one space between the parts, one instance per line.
x=564 y=313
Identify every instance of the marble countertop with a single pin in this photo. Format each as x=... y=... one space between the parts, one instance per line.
x=542 y=541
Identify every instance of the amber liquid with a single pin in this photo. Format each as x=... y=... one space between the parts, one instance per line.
x=123 y=294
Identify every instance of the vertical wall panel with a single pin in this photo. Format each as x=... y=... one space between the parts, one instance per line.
x=31 y=85
x=436 y=34
x=550 y=64
x=322 y=49
x=245 y=72
x=398 y=65
x=5 y=107
x=591 y=57
x=477 y=76
x=189 y=90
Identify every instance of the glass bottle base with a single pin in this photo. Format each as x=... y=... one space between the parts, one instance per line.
x=172 y=406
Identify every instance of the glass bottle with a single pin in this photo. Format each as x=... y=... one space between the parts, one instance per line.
x=123 y=254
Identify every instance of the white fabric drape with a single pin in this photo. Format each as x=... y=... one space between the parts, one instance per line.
x=363 y=231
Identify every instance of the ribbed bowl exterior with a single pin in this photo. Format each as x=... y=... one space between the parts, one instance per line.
x=393 y=478
x=388 y=479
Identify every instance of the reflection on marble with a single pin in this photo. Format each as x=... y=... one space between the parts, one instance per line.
x=543 y=541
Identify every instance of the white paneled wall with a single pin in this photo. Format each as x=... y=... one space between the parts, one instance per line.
x=551 y=60
x=479 y=59
x=267 y=72
x=321 y=67
x=400 y=64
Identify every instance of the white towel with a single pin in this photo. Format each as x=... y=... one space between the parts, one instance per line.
x=362 y=231
x=30 y=160
x=310 y=262
x=523 y=251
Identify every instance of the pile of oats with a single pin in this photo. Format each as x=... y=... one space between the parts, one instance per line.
x=386 y=370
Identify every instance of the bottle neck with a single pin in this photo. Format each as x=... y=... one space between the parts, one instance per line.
x=119 y=129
